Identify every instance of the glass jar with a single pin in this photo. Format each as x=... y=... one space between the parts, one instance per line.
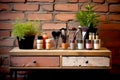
x=96 y=43
x=80 y=44
x=88 y=44
x=39 y=44
x=45 y=36
x=64 y=45
x=48 y=44
x=72 y=45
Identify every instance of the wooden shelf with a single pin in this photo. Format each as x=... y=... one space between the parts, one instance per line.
x=59 y=58
x=101 y=52
x=20 y=59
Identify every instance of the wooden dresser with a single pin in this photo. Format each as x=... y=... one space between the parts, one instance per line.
x=59 y=59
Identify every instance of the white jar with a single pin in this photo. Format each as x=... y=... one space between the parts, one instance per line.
x=48 y=44
x=39 y=41
x=39 y=44
x=80 y=44
x=96 y=43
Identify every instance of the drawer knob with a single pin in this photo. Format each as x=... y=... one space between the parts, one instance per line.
x=86 y=62
x=34 y=61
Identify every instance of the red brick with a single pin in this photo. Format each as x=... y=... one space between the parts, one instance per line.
x=53 y=25
x=113 y=1
x=61 y=1
x=36 y=16
x=111 y=26
x=47 y=7
x=72 y=24
x=83 y=7
x=98 y=1
x=114 y=8
x=41 y=0
x=49 y=33
x=11 y=16
x=101 y=8
x=66 y=7
x=84 y=0
x=4 y=33
x=5 y=7
x=5 y=25
x=65 y=17
x=25 y=7
x=12 y=0
x=5 y=50
x=72 y=0
x=114 y=17
x=103 y=18
x=6 y=42
x=98 y=8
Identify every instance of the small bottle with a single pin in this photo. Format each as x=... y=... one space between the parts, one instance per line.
x=88 y=44
x=48 y=44
x=93 y=36
x=96 y=36
x=40 y=42
x=80 y=44
x=90 y=36
x=96 y=43
x=45 y=36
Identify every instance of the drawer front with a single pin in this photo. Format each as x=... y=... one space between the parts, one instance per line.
x=34 y=61
x=85 y=61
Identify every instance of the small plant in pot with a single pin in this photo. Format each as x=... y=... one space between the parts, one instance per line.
x=25 y=33
x=88 y=19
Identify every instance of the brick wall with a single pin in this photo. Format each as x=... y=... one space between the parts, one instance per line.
x=55 y=14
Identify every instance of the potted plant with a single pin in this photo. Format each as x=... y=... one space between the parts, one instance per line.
x=88 y=19
x=25 y=33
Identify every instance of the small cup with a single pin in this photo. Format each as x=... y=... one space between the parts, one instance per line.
x=48 y=43
x=39 y=41
x=72 y=45
x=64 y=45
x=88 y=44
x=96 y=44
x=80 y=44
x=39 y=46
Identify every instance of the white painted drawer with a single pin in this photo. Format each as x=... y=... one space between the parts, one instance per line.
x=85 y=61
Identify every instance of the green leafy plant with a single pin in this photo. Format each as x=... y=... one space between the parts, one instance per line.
x=22 y=29
x=88 y=17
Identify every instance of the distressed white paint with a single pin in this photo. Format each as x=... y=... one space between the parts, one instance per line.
x=81 y=61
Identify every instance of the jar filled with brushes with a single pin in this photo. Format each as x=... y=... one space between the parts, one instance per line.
x=64 y=37
x=72 y=45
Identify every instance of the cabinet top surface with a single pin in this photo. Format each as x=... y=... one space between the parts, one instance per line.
x=17 y=51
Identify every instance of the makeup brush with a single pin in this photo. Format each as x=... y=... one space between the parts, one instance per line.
x=56 y=35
